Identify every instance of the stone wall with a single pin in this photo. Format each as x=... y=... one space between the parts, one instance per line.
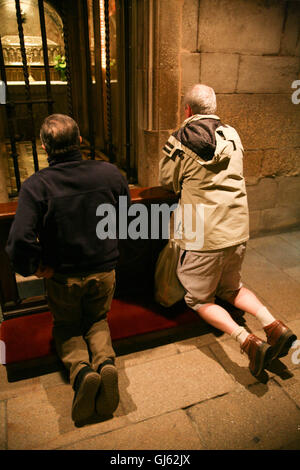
x=158 y=47
x=249 y=52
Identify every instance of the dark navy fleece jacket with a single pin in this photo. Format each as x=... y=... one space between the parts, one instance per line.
x=55 y=223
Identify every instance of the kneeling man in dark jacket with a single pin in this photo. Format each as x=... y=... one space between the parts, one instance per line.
x=54 y=236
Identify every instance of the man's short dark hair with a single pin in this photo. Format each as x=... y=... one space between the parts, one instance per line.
x=60 y=134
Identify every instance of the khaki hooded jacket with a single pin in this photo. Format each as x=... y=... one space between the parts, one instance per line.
x=203 y=164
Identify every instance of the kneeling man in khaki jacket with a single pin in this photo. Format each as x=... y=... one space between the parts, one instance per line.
x=203 y=164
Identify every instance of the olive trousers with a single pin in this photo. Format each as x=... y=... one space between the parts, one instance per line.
x=79 y=306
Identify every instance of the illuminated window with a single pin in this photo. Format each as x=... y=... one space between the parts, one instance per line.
x=33 y=41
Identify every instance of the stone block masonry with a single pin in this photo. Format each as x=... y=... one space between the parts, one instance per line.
x=274 y=204
x=267 y=74
x=240 y=26
x=249 y=52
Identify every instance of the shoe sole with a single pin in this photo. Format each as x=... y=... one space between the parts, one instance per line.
x=264 y=359
x=108 y=397
x=283 y=345
x=84 y=402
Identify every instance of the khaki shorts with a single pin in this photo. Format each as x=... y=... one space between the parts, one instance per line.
x=205 y=275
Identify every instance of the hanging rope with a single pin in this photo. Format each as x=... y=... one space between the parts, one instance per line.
x=108 y=84
x=67 y=56
x=27 y=85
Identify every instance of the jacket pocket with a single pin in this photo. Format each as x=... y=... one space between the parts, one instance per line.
x=182 y=257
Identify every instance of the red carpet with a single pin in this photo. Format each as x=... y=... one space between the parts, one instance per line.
x=30 y=336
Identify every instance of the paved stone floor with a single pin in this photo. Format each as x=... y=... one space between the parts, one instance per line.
x=190 y=394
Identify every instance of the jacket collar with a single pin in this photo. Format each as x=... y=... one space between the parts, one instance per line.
x=73 y=155
x=196 y=117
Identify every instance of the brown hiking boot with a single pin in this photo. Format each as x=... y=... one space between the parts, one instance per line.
x=259 y=353
x=280 y=338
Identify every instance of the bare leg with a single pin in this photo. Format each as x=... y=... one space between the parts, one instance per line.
x=247 y=301
x=218 y=317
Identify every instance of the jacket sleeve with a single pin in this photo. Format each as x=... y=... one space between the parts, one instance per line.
x=126 y=192
x=23 y=247
x=171 y=169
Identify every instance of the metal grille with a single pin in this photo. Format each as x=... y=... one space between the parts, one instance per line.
x=107 y=81
x=29 y=102
x=107 y=126
x=101 y=118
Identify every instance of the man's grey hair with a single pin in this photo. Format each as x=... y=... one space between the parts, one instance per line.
x=202 y=99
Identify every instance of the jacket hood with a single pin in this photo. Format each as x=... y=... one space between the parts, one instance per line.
x=198 y=135
x=205 y=139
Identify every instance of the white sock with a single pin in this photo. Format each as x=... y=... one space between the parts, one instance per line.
x=264 y=316
x=240 y=334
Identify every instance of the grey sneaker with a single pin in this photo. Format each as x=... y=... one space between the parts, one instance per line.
x=107 y=399
x=86 y=386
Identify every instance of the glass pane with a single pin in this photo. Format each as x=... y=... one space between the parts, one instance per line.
x=16 y=84
x=33 y=41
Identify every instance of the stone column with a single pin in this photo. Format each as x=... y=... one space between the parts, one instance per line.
x=158 y=81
